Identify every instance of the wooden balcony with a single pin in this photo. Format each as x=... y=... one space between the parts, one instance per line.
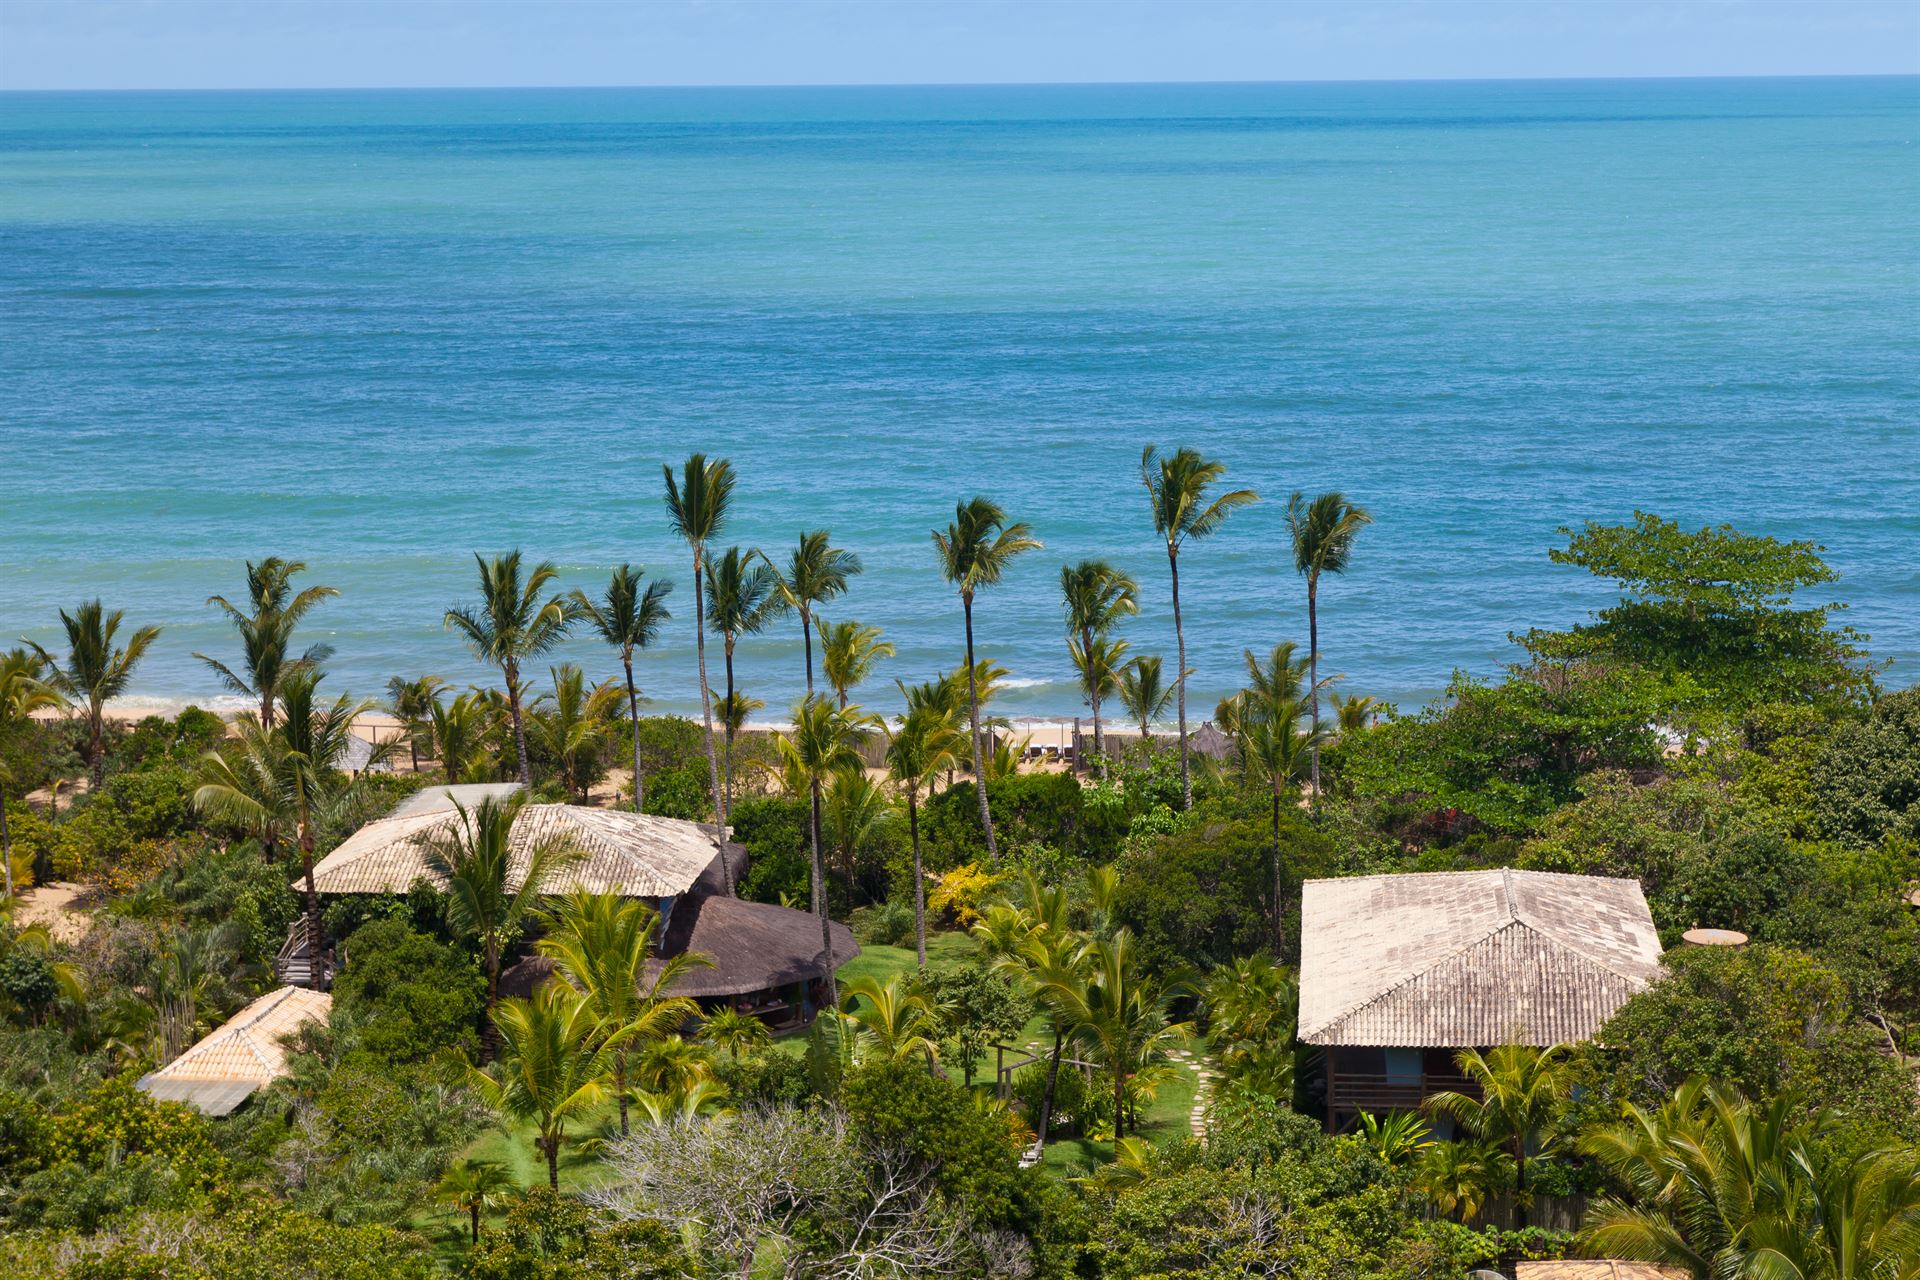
x=1349 y=1092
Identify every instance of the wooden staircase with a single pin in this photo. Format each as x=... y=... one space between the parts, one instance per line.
x=295 y=965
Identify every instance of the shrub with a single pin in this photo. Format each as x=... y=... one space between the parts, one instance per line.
x=407 y=995
x=885 y=924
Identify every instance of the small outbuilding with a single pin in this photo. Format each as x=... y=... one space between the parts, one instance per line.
x=1400 y=972
x=223 y=1070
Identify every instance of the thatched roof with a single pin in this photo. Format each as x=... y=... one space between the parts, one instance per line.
x=222 y=1071
x=1211 y=741
x=1470 y=958
x=638 y=855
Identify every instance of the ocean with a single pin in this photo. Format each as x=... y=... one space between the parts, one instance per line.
x=381 y=331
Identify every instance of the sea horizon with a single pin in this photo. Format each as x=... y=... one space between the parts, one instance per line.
x=388 y=329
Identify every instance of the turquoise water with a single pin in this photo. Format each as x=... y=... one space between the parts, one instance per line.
x=380 y=331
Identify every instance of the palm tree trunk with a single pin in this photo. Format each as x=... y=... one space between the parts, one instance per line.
x=512 y=671
x=919 y=881
x=6 y=853
x=313 y=899
x=1313 y=671
x=552 y=1146
x=266 y=706
x=1093 y=697
x=98 y=749
x=820 y=896
x=474 y=1209
x=973 y=715
x=806 y=642
x=633 y=718
x=1180 y=684
x=489 y=1033
x=1520 y=1184
x=729 y=721
x=706 y=712
x=1273 y=866
x=1119 y=1105
x=620 y=1086
x=1046 y=1095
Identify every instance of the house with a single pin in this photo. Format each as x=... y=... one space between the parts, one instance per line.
x=766 y=959
x=223 y=1070
x=1400 y=972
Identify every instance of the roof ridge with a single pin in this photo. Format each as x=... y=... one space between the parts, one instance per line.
x=1409 y=978
x=1571 y=947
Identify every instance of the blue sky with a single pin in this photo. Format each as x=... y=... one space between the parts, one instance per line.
x=117 y=44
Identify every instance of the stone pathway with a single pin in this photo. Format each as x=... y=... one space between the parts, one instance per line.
x=1197 y=1119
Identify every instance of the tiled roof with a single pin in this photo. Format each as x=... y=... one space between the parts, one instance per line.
x=220 y=1071
x=1597 y=1269
x=638 y=855
x=1470 y=958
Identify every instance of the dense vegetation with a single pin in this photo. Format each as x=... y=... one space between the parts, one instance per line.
x=1712 y=735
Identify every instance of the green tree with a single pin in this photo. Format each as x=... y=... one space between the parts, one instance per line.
x=573 y=725
x=926 y=742
x=472 y=1187
x=743 y=596
x=411 y=703
x=849 y=651
x=825 y=740
x=975 y=552
x=1323 y=534
x=728 y=1028
x=1144 y=692
x=1866 y=778
x=1095 y=596
x=555 y=1057
x=408 y=996
x=266 y=632
x=628 y=617
x=492 y=886
x=512 y=625
x=1177 y=486
x=22 y=693
x=817 y=572
x=697 y=506
x=1523 y=1093
x=891 y=1020
x=1266 y=717
x=1119 y=1014
x=95 y=671
x=600 y=944
x=459 y=729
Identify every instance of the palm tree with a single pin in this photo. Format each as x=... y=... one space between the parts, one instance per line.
x=574 y=724
x=411 y=703
x=892 y=1020
x=728 y=1028
x=316 y=739
x=1177 y=486
x=554 y=1059
x=266 y=632
x=458 y=728
x=1144 y=692
x=1055 y=962
x=743 y=596
x=825 y=740
x=488 y=896
x=853 y=809
x=1523 y=1091
x=473 y=1186
x=512 y=625
x=628 y=617
x=245 y=785
x=22 y=692
x=1266 y=721
x=697 y=509
x=926 y=743
x=1096 y=595
x=816 y=573
x=1354 y=714
x=1323 y=533
x=600 y=944
x=95 y=671
x=1252 y=1005
x=1398 y=1139
x=975 y=551
x=849 y=651
x=1118 y=1012
x=1460 y=1177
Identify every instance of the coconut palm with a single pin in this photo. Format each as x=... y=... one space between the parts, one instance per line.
x=1354 y=714
x=244 y=784
x=458 y=729
x=1398 y=1138
x=926 y=742
x=816 y=572
x=491 y=891
x=697 y=509
x=743 y=596
x=1117 y=1011
x=852 y=810
x=628 y=617
x=1323 y=532
x=1251 y=1005
x=1055 y=962
x=1460 y=1177
x=1095 y=595
x=892 y=1020
x=95 y=671
x=554 y=1060
x=1177 y=486
x=274 y=609
x=411 y=703
x=511 y=625
x=1144 y=692
x=472 y=1187
x=825 y=740
x=1523 y=1092
x=849 y=651
x=600 y=944
x=728 y=1028
x=975 y=551
x=573 y=725
x=22 y=692
x=733 y=711
x=1265 y=719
